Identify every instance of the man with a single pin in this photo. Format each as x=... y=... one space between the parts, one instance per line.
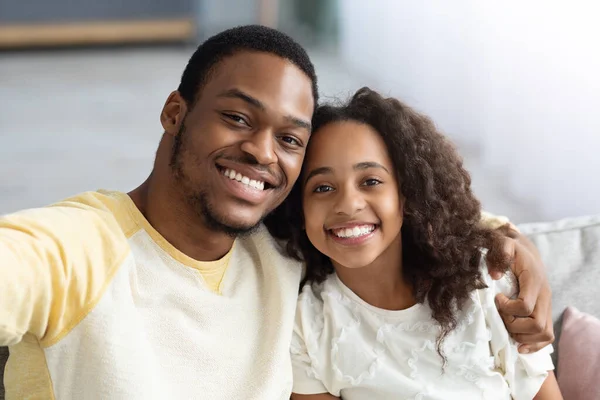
x=176 y=290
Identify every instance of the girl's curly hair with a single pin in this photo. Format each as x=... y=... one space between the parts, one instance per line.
x=442 y=234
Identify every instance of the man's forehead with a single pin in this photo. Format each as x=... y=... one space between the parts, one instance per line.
x=275 y=83
x=253 y=68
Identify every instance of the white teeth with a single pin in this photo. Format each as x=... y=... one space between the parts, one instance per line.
x=357 y=231
x=231 y=174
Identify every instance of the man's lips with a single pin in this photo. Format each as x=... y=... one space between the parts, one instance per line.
x=267 y=179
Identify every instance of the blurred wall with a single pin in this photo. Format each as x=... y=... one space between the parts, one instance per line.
x=520 y=81
x=217 y=15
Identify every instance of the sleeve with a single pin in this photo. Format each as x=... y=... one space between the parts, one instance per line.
x=492 y=221
x=306 y=378
x=53 y=262
x=524 y=373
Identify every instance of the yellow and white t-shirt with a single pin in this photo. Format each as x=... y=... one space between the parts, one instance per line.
x=96 y=304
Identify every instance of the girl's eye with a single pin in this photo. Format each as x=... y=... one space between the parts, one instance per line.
x=371 y=182
x=323 y=189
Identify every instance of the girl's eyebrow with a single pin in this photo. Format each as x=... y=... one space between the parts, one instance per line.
x=318 y=171
x=359 y=166
x=370 y=164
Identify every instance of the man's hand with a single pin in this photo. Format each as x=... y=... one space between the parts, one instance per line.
x=528 y=318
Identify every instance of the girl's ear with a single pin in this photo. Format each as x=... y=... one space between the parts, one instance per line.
x=402 y=201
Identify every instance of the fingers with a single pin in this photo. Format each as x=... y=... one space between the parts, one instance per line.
x=534 y=332
x=498 y=258
x=532 y=348
x=525 y=304
x=535 y=342
x=495 y=274
x=512 y=231
x=533 y=323
x=529 y=272
x=526 y=259
x=523 y=326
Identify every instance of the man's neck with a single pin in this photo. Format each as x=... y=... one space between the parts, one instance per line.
x=381 y=283
x=178 y=224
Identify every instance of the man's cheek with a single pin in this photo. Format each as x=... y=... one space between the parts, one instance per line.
x=278 y=200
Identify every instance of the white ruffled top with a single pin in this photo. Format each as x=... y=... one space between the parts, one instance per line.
x=344 y=346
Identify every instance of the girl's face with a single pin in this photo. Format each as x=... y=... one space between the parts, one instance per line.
x=352 y=206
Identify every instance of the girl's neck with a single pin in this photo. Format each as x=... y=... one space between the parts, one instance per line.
x=381 y=283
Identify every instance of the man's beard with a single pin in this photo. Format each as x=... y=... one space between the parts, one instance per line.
x=198 y=198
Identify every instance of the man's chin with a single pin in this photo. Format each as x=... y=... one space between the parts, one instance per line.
x=233 y=227
x=236 y=229
x=221 y=216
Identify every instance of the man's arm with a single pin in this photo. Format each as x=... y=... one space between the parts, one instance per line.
x=53 y=262
x=528 y=318
x=549 y=389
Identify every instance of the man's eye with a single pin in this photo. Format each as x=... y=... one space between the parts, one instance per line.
x=236 y=118
x=291 y=140
x=323 y=189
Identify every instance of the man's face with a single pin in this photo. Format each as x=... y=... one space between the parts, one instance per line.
x=239 y=149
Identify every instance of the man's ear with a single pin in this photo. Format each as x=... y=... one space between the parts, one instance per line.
x=173 y=113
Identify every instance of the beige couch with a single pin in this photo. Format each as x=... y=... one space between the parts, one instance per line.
x=571 y=251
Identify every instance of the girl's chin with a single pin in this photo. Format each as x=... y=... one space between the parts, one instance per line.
x=351 y=263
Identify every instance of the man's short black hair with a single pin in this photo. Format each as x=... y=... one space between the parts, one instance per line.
x=247 y=37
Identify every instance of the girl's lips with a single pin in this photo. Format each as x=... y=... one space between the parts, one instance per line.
x=353 y=240
x=349 y=224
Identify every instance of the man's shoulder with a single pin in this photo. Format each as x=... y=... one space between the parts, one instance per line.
x=98 y=202
x=110 y=208
x=88 y=214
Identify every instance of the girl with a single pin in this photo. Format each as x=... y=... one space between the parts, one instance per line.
x=395 y=303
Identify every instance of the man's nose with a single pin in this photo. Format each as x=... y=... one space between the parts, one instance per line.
x=261 y=146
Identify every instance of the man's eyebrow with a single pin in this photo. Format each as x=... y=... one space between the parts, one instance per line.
x=300 y=123
x=318 y=171
x=238 y=94
x=369 y=164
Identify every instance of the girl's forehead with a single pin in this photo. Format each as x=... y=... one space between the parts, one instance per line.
x=346 y=142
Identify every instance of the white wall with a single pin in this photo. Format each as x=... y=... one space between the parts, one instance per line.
x=520 y=80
